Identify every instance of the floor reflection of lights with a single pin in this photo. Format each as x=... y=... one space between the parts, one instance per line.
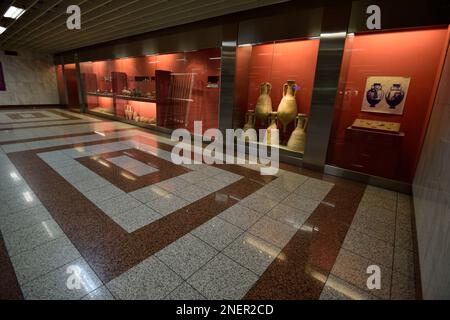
x=263 y=248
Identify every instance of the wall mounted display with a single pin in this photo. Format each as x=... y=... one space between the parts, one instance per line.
x=2 y=79
x=381 y=126
x=387 y=140
x=386 y=95
x=276 y=80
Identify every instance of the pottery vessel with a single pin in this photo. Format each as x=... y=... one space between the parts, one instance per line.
x=264 y=103
x=375 y=94
x=298 y=137
x=287 y=110
x=395 y=96
x=270 y=131
x=250 y=120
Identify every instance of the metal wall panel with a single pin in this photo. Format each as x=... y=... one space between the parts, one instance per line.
x=228 y=70
x=331 y=49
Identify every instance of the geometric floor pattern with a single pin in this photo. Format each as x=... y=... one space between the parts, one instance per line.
x=95 y=209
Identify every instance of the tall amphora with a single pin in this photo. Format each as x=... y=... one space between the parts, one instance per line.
x=298 y=137
x=264 y=103
x=287 y=110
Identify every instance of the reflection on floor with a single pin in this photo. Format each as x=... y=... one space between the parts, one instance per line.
x=95 y=209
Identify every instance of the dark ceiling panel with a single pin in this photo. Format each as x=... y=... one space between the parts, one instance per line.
x=42 y=28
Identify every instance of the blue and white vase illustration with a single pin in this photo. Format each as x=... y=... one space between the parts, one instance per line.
x=395 y=96
x=375 y=95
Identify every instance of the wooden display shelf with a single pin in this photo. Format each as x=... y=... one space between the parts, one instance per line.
x=140 y=99
x=98 y=94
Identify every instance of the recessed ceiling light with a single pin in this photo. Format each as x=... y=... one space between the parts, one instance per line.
x=2 y=29
x=14 y=12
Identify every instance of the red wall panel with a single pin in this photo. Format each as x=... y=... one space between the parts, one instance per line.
x=417 y=54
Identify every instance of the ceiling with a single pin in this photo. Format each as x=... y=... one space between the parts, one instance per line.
x=42 y=28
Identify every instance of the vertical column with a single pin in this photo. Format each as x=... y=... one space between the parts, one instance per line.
x=228 y=69
x=332 y=41
x=66 y=94
x=80 y=85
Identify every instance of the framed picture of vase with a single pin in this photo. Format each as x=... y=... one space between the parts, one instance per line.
x=386 y=95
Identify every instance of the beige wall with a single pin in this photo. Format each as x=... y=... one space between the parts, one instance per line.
x=30 y=79
x=432 y=197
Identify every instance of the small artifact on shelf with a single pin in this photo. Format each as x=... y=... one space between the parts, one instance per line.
x=264 y=103
x=250 y=120
x=128 y=112
x=126 y=92
x=268 y=139
x=298 y=137
x=287 y=109
x=380 y=126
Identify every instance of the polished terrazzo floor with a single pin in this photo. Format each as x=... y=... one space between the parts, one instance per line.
x=103 y=198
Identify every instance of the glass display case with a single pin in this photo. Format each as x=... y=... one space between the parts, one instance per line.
x=387 y=87
x=274 y=84
x=166 y=90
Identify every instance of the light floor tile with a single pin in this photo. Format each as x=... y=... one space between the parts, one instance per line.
x=403 y=288
x=185 y=292
x=103 y=193
x=70 y=282
x=118 y=205
x=149 y=280
x=252 y=252
x=34 y=263
x=137 y=218
x=337 y=289
x=404 y=262
x=258 y=203
x=223 y=279
x=194 y=176
x=289 y=182
x=186 y=255
x=23 y=219
x=192 y=193
x=31 y=237
x=368 y=247
x=173 y=184
x=101 y=293
x=168 y=204
x=218 y=233
x=288 y=215
x=149 y=193
x=302 y=203
x=353 y=269
x=277 y=233
x=273 y=193
x=240 y=216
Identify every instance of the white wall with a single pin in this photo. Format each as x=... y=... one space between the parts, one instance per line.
x=30 y=80
x=432 y=197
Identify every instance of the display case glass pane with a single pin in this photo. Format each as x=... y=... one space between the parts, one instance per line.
x=60 y=83
x=386 y=92
x=97 y=82
x=274 y=84
x=73 y=98
x=167 y=90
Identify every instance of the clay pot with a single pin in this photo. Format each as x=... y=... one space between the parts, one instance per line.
x=287 y=110
x=264 y=103
x=375 y=95
x=271 y=128
x=395 y=96
x=250 y=120
x=298 y=137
